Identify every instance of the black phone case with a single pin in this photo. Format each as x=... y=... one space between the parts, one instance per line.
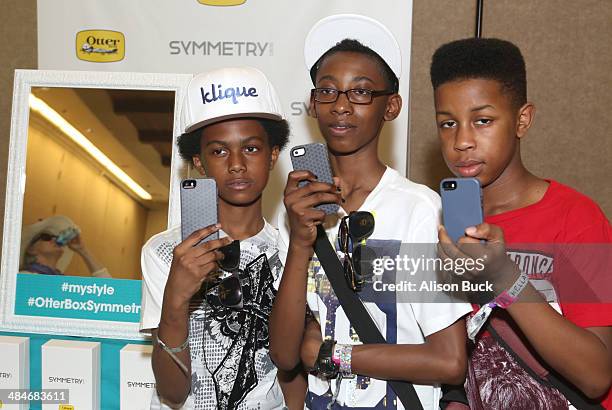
x=461 y=206
x=198 y=207
x=315 y=160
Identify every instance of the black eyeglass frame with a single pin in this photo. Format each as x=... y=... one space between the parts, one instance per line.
x=371 y=93
x=45 y=237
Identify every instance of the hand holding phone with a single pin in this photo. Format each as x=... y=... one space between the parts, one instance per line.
x=461 y=205
x=462 y=208
x=201 y=252
x=194 y=263
x=314 y=158
x=310 y=194
x=199 y=210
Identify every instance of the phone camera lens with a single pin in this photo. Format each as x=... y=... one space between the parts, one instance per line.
x=298 y=152
x=449 y=185
x=189 y=183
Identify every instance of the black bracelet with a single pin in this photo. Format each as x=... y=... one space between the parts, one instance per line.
x=324 y=365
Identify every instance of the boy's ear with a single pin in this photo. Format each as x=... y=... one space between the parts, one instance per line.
x=197 y=164
x=526 y=114
x=274 y=156
x=312 y=111
x=394 y=106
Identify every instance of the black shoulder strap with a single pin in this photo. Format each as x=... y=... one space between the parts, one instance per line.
x=578 y=400
x=357 y=314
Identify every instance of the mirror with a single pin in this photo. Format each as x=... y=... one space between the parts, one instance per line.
x=91 y=166
x=71 y=185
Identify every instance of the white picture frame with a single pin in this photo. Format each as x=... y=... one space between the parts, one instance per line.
x=15 y=187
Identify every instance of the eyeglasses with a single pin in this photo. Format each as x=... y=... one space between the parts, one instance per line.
x=46 y=237
x=354 y=95
x=355 y=228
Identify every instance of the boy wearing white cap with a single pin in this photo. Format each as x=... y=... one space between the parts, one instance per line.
x=208 y=353
x=355 y=63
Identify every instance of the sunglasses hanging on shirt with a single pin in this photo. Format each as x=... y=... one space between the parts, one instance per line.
x=231 y=256
x=229 y=291
x=354 y=229
x=229 y=263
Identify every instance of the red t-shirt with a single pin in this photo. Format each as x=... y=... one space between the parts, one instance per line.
x=559 y=242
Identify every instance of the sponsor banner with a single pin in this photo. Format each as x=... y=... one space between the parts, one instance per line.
x=78 y=297
x=191 y=36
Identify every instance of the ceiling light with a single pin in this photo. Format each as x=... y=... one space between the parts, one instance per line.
x=38 y=105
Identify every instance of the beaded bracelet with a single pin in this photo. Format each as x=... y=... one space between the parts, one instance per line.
x=342 y=357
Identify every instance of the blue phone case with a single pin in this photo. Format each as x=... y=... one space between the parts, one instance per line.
x=461 y=205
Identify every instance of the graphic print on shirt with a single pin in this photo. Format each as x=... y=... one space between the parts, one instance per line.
x=501 y=381
x=504 y=384
x=229 y=347
x=319 y=284
x=248 y=329
x=539 y=267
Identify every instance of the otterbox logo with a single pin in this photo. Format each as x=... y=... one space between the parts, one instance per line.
x=222 y=2
x=66 y=407
x=100 y=46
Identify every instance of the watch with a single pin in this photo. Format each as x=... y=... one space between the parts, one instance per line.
x=325 y=365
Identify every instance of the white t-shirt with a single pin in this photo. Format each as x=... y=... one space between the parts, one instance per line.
x=230 y=364
x=404 y=212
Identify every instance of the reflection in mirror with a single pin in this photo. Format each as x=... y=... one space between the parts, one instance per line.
x=97 y=179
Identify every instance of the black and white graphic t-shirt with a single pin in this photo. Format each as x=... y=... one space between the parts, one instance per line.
x=230 y=364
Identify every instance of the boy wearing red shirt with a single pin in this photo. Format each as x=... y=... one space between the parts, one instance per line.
x=482 y=113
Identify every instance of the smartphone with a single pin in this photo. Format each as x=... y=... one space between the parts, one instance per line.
x=313 y=158
x=198 y=206
x=461 y=205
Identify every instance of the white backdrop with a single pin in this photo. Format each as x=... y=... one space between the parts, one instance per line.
x=188 y=36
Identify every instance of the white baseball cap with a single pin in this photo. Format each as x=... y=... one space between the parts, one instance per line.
x=331 y=30
x=229 y=93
